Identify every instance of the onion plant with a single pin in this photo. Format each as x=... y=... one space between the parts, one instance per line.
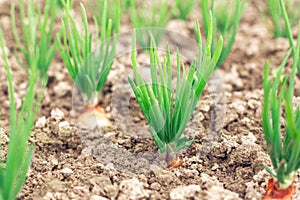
x=88 y=69
x=35 y=39
x=288 y=28
x=168 y=110
x=284 y=150
x=226 y=16
x=150 y=18
x=113 y=11
x=184 y=8
x=272 y=16
x=15 y=165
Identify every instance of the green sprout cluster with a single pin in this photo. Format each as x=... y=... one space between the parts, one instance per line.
x=288 y=25
x=114 y=12
x=13 y=172
x=227 y=15
x=284 y=154
x=88 y=70
x=37 y=30
x=184 y=8
x=145 y=15
x=284 y=150
x=167 y=111
x=38 y=51
x=273 y=16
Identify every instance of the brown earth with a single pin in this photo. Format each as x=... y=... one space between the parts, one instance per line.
x=120 y=162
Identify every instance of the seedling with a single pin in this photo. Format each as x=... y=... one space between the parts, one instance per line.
x=88 y=69
x=149 y=18
x=184 y=8
x=37 y=48
x=273 y=16
x=226 y=17
x=114 y=12
x=289 y=33
x=167 y=111
x=284 y=153
x=13 y=172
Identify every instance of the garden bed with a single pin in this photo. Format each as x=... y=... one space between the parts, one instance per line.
x=117 y=163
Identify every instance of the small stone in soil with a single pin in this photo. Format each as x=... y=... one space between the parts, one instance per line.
x=215 y=167
x=207 y=181
x=41 y=122
x=96 y=197
x=191 y=173
x=133 y=189
x=67 y=171
x=185 y=192
x=63 y=124
x=155 y=186
x=57 y=114
x=220 y=193
x=62 y=88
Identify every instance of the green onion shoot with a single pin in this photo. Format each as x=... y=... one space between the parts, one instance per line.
x=150 y=18
x=226 y=17
x=88 y=69
x=18 y=159
x=114 y=12
x=272 y=15
x=184 y=8
x=283 y=148
x=168 y=111
x=35 y=42
x=288 y=27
